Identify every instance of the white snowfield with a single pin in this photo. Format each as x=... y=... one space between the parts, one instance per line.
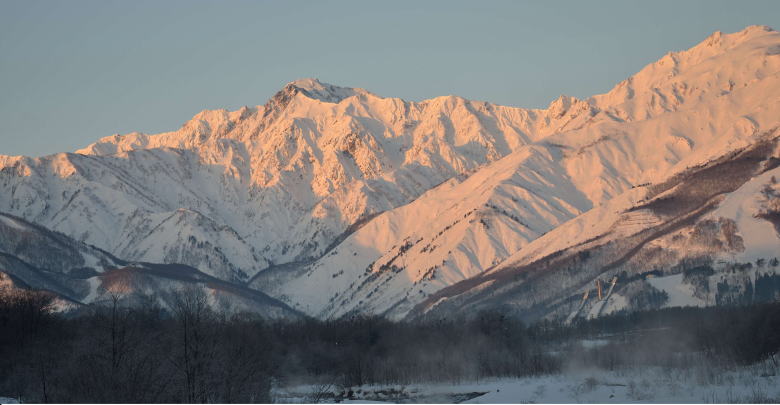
x=698 y=384
x=381 y=202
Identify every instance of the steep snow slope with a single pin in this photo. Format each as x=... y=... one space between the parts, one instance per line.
x=32 y=256
x=754 y=208
x=457 y=231
x=62 y=254
x=450 y=233
x=692 y=224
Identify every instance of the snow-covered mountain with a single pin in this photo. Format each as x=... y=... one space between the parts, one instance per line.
x=687 y=109
x=233 y=192
x=694 y=238
x=336 y=200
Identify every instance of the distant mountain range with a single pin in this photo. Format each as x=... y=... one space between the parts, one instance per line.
x=330 y=201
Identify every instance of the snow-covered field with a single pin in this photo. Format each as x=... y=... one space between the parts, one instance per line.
x=755 y=384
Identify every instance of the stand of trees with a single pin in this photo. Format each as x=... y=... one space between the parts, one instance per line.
x=190 y=353
x=116 y=353
x=722 y=336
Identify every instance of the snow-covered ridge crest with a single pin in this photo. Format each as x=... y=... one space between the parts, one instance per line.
x=717 y=65
x=677 y=80
x=323 y=91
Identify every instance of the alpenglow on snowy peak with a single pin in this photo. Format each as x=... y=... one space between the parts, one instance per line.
x=329 y=93
x=336 y=200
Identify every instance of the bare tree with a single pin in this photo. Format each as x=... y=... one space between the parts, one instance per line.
x=192 y=314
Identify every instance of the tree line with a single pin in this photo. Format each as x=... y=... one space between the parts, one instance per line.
x=188 y=352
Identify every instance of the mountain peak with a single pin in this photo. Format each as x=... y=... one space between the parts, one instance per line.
x=315 y=89
x=722 y=40
x=308 y=83
x=756 y=29
x=562 y=104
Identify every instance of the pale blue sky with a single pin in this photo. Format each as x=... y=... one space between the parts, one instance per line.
x=74 y=71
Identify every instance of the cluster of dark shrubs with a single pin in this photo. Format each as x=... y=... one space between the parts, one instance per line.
x=190 y=353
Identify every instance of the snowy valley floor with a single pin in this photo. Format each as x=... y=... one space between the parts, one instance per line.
x=754 y=384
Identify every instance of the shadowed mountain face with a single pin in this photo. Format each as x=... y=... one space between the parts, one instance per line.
x=337 y=201
x=32 y=256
